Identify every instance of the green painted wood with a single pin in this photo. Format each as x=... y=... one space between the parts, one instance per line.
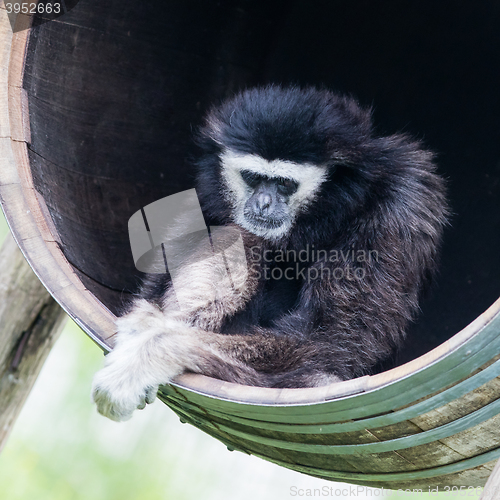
x=444 y=431
x=437 y=401
x=458 y=365
x=359 y=477
x=396 y=477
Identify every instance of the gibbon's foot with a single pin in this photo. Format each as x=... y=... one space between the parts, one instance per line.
x=118 y=403
x=149 y=351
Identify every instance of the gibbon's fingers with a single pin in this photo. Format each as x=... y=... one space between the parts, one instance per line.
x=151 y=394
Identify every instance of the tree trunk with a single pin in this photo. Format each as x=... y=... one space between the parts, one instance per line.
x=30 y=322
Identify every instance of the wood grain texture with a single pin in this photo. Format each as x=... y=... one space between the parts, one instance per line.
x=30 y=322
x=22 y=205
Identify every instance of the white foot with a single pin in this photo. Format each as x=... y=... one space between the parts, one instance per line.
x=118 y=397
x=149 y=351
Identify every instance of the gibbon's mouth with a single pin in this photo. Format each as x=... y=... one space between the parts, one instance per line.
x=264 y=222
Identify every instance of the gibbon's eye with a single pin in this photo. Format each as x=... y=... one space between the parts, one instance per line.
x=287 y=186
x=251 y=178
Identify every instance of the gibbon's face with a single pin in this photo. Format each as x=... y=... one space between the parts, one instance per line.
x=267 y=196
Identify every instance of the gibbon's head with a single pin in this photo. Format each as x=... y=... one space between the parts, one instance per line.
x=283 y=161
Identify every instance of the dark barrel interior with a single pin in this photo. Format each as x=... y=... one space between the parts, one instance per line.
x=116 y=89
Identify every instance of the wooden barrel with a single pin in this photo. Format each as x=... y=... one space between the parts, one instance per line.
x=96 y=114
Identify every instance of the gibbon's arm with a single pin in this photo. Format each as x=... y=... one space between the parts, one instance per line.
x=338 y=330
x=322 y=339
x=313 y=345
x=151 y=349
x=156 y=343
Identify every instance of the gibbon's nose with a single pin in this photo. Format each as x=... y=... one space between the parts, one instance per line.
x=262 y=203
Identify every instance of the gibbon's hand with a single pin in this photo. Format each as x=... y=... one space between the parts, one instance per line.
x=150 y=350
x=116 y=400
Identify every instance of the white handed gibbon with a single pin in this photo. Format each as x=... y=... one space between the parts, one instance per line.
x=340 y=230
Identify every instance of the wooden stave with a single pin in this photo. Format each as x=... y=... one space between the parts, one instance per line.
x=306 y=457
x=360 y=400
x=432 y=476
x=395 y=416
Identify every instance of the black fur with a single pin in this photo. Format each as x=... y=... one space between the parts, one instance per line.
x=382 y=195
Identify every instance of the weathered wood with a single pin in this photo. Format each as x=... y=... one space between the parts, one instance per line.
x=30 y=322
x=34 y=229
x=445 y=366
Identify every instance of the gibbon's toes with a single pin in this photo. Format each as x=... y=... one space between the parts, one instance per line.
x=107 y=406
x=151 y=393
x=148 y=397
x=118 y=397
x=121 y=409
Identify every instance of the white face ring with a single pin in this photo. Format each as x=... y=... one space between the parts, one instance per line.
x=309 y=178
